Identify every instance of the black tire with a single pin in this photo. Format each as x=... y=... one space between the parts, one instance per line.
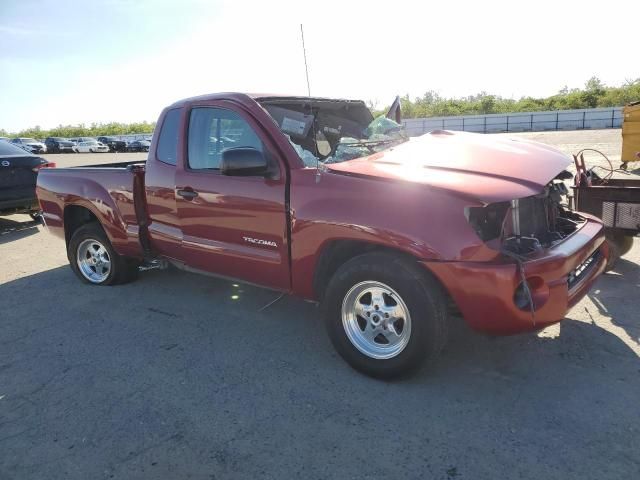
x=619 y=245
x=421 y=293
x=626 y=245
x=122 y=269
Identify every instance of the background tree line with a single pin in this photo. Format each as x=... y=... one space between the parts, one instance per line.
x=594 y=94
x=82 y=130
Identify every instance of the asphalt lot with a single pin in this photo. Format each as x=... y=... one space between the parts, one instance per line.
x=174 y=377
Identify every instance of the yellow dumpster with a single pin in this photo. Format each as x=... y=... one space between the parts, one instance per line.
x=630 y=134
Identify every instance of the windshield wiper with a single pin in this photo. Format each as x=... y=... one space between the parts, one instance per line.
x=368 y=144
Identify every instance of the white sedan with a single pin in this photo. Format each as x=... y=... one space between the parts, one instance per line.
x=90 y=146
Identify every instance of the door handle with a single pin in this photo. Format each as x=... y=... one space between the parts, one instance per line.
x=187 y=194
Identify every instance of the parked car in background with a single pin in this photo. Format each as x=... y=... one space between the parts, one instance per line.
x=58 y=145
x=139 y=146
x=82 y=139
x=114 y=144
x=90 y=146
x=18 y=172
x=4 y=139
x=30 y=144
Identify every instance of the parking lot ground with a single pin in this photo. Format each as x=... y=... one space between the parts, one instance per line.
x=185 y=376
x=608 y=141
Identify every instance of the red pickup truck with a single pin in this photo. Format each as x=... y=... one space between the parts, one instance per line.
x=316 y=198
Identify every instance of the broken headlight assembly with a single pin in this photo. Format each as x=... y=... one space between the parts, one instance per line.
x=526 y=225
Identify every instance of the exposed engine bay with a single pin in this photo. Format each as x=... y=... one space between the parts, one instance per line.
x=524 y=226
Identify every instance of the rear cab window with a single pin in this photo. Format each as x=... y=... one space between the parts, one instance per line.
x=167 y=149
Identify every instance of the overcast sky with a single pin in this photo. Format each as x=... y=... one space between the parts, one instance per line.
x=66 y=62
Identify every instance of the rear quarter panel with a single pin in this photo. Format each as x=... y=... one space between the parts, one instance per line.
x=106 y=192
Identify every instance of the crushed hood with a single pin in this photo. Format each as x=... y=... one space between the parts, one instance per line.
x=488 y=168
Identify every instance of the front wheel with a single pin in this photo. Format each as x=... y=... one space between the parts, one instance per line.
x=385 y=315
x=93 y=259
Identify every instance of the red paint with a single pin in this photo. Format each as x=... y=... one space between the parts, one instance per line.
x=410 y=199
x=488 y=168
x=484 y=292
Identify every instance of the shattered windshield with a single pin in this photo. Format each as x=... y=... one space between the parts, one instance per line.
x=380 y=134
x=333 y=131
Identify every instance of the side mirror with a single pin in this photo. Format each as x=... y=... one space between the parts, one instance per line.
x=243 y=162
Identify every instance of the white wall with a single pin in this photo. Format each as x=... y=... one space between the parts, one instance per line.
x=520 y=122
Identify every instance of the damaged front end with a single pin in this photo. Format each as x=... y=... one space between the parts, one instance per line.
x=521 y=227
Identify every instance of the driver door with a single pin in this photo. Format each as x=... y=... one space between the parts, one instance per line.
x=233 y=226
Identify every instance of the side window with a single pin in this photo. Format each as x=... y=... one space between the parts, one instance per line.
x=213 y=130
x=167 y=150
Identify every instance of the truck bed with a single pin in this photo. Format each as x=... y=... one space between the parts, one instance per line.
x=113 y=193
x=112 y=165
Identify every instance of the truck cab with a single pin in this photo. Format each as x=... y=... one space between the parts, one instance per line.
x=213 y=216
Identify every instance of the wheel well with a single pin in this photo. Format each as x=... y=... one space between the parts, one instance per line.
x=74 y=217
x=339 y=252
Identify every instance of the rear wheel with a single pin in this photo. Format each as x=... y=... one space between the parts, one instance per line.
x=384 y=315
x=93 y=259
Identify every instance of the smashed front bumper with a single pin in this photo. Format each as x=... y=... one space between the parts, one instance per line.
x=558 y=278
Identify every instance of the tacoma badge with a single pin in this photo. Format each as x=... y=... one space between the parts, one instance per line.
x=259 y=241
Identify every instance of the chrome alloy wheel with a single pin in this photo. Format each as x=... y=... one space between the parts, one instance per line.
x=376 y=320
x=93 y=261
